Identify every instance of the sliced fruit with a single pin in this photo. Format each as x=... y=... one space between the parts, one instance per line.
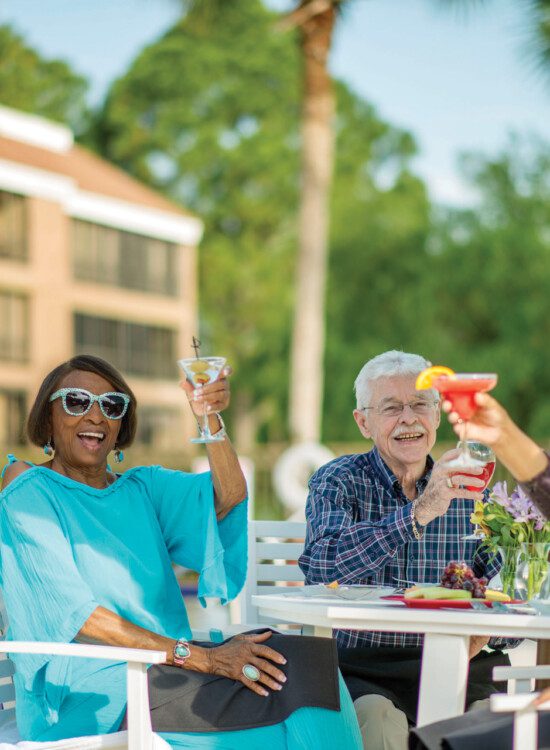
x=333 y=585
x=496 y=596
x=426 y=377
x=199 y=366
x=437 y=592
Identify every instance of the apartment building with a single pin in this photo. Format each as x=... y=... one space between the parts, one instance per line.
x=91 y=260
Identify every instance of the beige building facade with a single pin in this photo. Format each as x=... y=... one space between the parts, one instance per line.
x=91 y=261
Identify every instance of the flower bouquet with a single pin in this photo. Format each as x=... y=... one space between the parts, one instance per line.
x=513 y=527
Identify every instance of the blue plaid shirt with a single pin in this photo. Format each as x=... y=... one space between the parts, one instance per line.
x=359 y=530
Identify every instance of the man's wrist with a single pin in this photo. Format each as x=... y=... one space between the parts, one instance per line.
x=421 y=515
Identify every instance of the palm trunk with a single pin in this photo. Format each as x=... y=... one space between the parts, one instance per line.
x=308 y=339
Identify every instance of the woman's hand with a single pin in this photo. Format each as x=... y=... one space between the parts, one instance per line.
x=488 y=423
x=214 y=397
x=229 y=659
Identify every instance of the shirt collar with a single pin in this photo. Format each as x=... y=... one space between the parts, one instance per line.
x=388 y=478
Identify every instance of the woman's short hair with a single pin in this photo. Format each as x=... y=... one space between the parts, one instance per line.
x=39 y=419
x=386 y=365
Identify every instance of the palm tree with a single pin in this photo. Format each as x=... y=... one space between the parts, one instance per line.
x=315 y=21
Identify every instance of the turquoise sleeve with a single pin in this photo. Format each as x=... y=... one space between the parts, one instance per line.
x=45 y=596
x=184 y=504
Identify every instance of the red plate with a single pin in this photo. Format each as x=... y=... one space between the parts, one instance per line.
x=447 y=603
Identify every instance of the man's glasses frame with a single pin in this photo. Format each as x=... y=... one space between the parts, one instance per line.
x=103 y=400
x=420 y=407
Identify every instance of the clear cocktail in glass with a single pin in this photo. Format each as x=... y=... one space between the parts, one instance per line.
x=200 y=371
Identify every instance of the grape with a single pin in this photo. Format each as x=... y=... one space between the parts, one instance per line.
x=458 y=575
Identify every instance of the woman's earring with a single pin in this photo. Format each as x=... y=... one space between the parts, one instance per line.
x=119 y=456
x=48 y=450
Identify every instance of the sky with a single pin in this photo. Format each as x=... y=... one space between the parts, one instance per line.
x=459 y=81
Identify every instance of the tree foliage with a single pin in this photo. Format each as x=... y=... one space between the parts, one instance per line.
x=210 y=114
x=34 y=84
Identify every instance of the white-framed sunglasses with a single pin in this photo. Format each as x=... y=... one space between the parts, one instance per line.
x=78 y=401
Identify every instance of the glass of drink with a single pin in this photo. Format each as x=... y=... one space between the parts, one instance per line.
x=460 y=389
x=480 y=456
x=199 y=371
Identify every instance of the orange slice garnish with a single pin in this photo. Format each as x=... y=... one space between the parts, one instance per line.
x=427 y=376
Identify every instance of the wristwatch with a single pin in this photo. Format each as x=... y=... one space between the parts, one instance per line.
x=181 y=652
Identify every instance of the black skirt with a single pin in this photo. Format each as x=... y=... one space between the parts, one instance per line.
x=395 y=674
x=478 y=730
x=182 y=700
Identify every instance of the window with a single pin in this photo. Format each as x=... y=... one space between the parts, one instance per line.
x=13 y=235
x=136 y=349
x=14 y=327
x=132 y=261
x=12 y=417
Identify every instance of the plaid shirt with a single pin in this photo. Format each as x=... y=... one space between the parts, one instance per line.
x=359 y=530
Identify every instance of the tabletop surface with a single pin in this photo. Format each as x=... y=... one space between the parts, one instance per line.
x=396 y=617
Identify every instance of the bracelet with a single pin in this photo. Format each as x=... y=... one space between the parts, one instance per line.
x=181 y=652
x=221 y=432
x=417 y=533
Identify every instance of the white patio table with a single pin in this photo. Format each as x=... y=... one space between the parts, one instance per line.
x=444 y=671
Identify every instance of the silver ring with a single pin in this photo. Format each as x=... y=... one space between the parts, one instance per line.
x=450 y=484
x=251 y=672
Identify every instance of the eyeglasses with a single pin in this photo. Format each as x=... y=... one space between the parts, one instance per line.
x=77 y=402
x=395 y=409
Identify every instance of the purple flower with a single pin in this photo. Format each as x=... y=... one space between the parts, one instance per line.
x=499 y=494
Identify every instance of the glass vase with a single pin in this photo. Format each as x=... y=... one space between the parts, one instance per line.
x=524 y=572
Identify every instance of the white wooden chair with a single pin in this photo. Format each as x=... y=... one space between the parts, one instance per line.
x=139 y=735
x=273 y=551
x=519 y=700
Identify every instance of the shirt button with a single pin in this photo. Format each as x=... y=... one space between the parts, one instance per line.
x=411 y=557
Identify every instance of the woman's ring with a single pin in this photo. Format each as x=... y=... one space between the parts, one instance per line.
x=450 y=484
x=251 y=672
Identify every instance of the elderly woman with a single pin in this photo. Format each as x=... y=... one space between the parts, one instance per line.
x=530 y=466
x=86 y=555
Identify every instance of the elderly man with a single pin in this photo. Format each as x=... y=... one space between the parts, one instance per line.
x=393 y=516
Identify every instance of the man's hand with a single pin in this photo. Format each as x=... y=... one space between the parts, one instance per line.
x=476 y=644
x=446 y=484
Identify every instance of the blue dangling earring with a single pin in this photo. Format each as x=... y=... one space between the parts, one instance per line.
x=48 y=449
x=119 y=456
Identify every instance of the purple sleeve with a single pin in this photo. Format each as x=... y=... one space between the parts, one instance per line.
x=538 y=490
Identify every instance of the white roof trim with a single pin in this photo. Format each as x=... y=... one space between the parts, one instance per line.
x=26 y=128
x=185 y=230
x=131 y=217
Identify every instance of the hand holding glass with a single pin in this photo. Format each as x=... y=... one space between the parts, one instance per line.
x=201 y=371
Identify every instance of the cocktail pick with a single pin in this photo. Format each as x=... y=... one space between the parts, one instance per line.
x=196 y=346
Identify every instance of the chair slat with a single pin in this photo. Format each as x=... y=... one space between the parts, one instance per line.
x=268 y=572
x=286 y=529
x=279 y=550
x=7 y=667
x=7 y=692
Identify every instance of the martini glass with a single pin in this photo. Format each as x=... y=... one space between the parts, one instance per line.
x=199 y=371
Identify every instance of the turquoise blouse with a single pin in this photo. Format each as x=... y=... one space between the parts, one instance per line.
x=66 y=548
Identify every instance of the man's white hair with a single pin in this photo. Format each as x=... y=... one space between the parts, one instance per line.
x=386 y=365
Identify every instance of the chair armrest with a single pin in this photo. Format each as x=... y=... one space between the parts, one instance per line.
x=85 y=651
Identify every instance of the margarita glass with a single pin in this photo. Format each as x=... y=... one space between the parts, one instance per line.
x=199 y=371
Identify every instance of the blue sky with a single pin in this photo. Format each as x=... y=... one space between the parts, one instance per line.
x=458 y=81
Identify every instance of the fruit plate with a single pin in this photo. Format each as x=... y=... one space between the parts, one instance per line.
x=447 y=603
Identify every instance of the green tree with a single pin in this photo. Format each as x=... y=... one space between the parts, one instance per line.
x=205 y=115
x=34 y=84
x=493 y=270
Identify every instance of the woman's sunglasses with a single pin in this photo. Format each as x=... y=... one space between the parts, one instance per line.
x=77 y=401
